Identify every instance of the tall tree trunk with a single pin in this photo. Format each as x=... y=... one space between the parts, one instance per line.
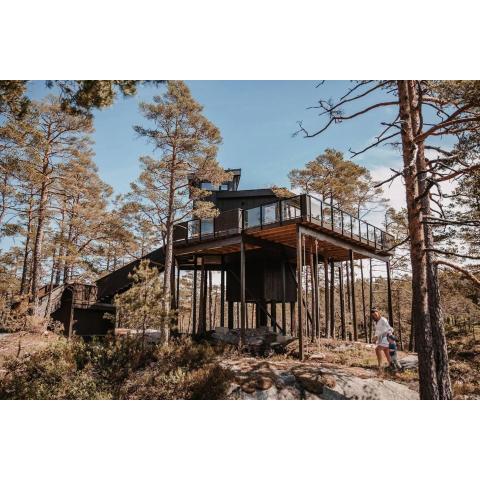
x=423 y=333
x=38 y=244
x=169 y=249
x=439 y=342
x=61 y=248
x=24 y=283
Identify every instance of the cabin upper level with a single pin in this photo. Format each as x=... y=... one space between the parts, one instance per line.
x=227 y=196
x=276 y=221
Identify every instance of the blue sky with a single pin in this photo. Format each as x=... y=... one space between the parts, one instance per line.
x=256 y=119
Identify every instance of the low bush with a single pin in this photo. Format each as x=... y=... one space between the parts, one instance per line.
x=115 y=369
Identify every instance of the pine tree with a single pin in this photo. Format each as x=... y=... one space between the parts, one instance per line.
x=141 y=307
x=187 y=143
x=329 y=175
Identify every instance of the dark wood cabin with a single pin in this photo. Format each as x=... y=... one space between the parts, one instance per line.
x=263 y=247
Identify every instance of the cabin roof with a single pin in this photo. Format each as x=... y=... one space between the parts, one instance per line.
x=259 y=192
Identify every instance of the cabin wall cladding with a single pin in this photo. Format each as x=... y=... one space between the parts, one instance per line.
x=263 y=277
x=90 y=322
x=225 y=204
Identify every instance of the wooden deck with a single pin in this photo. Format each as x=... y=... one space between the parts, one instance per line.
x=329 y=231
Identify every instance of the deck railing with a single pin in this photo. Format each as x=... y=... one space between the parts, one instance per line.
x=305 y=207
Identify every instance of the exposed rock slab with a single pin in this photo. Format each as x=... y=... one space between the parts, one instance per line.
x=290 y=380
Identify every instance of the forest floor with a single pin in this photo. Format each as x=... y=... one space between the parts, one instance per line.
x=333 y=369
x=20 y=343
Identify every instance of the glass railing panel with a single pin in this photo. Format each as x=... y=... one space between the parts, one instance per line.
x=355 y=223
x=337 y=219
x=193 y=229
x=347 y=224
x=207 y=227
x=270 y=213
x=316 y=208
x=252 y=217
x=291 y=208
x=327 y=215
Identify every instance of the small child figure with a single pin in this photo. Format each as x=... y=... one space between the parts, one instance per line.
x=392 y=350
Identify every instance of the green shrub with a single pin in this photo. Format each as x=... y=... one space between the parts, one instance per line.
x=115 y=369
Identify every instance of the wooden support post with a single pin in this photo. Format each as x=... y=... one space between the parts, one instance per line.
x=354 y=301
x=202 y=316
x=332 y=298
x=370 y=323
x=273 y=315
x=222 y=293
x=342 y=303
x=299 y=294
x=230 y=315
x=363 y=303
x=292 y=319
x=313 y=299
x=205 y=296
x=210 y=302
x=177 y=297
x=305 y=283
x=389 y=295
x=327 y=299
x=284 y=317
x=243 y=307
x=194 y=297
x=399 y=319
x=317 y=293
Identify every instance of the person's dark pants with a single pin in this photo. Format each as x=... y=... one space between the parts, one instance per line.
x=394 y=360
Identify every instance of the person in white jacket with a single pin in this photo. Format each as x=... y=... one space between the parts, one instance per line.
x=382 y=330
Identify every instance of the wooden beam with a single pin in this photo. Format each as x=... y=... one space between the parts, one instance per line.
x=341 y=243
x=201 y=247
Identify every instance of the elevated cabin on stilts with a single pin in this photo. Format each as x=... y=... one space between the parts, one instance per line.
x=291 y=259
x=273 y=252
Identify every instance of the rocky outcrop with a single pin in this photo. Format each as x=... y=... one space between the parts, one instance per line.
x=288 y=380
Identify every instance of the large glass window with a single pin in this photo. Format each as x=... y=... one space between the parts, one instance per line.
x=206 y=186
